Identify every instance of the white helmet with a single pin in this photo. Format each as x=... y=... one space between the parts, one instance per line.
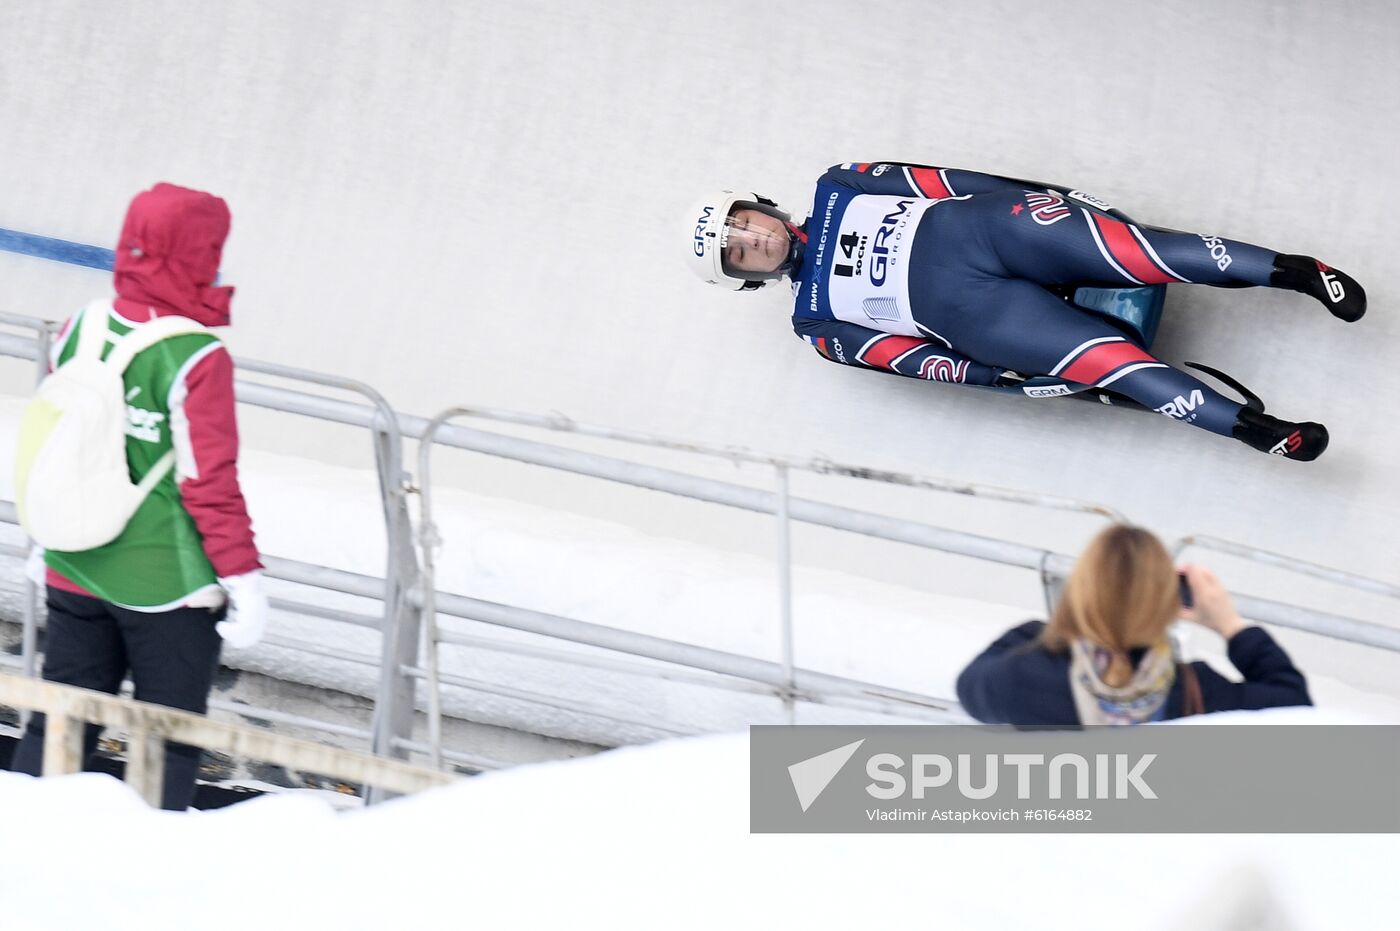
x=707 y=231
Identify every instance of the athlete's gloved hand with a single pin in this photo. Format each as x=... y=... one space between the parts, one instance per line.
x=247 y=610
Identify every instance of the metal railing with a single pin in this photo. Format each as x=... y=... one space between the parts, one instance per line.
x=1053 y=568
x=393 y=707
x=1310 y=620
x=395 y=700
x=779 y=502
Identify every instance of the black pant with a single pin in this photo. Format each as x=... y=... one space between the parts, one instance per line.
x=172 y=656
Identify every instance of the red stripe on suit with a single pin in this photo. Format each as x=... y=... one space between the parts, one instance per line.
x=886 y=350
x=1098 y=361
x=1128 y=252
x=929 y=182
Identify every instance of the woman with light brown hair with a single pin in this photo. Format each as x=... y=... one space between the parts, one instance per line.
x=1105 y=656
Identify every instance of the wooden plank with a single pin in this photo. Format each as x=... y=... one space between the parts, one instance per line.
x=63 y=744
x=226 y=737
x=145 y=765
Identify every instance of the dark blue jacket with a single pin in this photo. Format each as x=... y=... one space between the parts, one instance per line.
x=1018 y=681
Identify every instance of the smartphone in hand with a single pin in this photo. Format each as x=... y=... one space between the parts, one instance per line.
x=1183 y=588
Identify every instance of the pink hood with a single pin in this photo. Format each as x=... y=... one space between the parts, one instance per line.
x=168 y=256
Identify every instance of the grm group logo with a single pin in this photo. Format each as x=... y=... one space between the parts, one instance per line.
x=1183 y=408
x=700 y=224
x=880 y=250
x=1047 y=391
x=1086 y=198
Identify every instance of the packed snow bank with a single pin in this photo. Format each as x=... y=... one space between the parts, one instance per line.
x=644 y=837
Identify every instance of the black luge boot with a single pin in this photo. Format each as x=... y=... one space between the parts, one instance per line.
x=1302 y=441
x=1337 y=291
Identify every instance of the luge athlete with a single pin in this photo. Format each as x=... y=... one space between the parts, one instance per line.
x=945 y=274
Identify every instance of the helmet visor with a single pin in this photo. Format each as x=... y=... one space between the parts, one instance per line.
x=755 y=242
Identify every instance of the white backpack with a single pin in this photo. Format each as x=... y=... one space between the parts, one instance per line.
x=72 y=485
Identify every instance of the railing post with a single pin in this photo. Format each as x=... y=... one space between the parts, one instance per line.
x=29 y=638
x=785 y=591
x=393 y=718
x=145 y=765
x=63 y=744
x=29 y=635
x=1051 y=584
x=43 y=339
x=434 y=678
x=393 y=709
x=428 y=541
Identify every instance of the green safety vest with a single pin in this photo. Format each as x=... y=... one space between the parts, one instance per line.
x=157 y=563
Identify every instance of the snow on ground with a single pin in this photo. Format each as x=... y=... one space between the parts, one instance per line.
x=609 y=574
x=645 y=837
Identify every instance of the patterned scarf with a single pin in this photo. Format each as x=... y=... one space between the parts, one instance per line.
x=1144 y=696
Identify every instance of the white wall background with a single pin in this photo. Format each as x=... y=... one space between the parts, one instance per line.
x=483 y=202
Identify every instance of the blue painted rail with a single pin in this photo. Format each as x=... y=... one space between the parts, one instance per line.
x=57 y=250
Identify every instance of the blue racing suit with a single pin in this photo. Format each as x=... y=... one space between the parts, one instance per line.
x=945 y=274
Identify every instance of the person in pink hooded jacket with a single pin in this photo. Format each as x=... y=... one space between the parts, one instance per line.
x=184 y=576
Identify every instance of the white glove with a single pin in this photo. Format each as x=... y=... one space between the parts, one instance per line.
x=247 y=610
